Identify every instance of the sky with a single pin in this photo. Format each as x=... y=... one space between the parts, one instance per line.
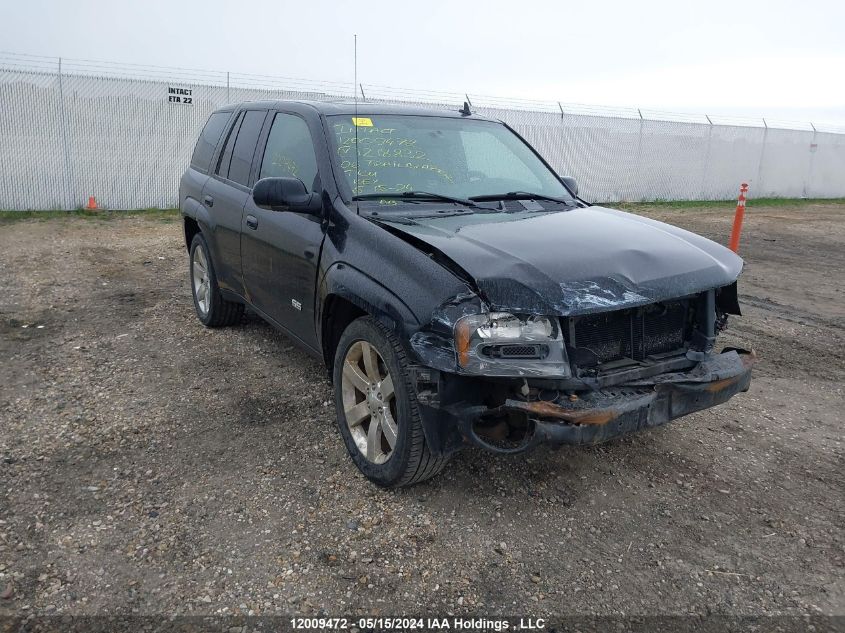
x=781 y=60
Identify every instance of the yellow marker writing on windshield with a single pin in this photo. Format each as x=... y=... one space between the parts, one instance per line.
x=362 y=121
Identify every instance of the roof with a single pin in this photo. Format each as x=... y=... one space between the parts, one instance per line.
x=329 y=108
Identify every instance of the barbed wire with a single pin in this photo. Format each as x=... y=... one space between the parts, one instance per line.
x=24 y=62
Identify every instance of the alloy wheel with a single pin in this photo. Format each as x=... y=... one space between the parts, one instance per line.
x=369 y=402
x=202 y=282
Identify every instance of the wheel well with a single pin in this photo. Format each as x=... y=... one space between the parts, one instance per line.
x=337 y=316
x=191 y=229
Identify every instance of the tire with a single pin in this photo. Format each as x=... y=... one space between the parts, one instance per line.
x=409 y=460
x=212 y=309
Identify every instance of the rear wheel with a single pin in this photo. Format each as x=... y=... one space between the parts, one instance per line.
x=377 y=410
x=212 y=309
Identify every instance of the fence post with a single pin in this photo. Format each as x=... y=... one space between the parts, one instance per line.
x=706 y=171
x=813 y=148
x=68 y=168
x=565 y=138
x=759 y=182
x=639 y=177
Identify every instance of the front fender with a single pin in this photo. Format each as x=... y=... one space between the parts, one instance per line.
x=349 y=283
x=386 y=307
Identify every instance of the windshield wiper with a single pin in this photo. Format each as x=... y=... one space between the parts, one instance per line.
x=520 y=195
x=416 y=195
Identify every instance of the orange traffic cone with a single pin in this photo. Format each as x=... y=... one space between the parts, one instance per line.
x=92 y=203
x=738 y=216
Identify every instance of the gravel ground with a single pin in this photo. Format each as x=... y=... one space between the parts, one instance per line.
x=149 y=465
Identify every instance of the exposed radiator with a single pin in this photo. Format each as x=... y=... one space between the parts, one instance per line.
x=635 y=333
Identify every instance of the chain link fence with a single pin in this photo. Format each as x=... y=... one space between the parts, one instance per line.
x=124 y=134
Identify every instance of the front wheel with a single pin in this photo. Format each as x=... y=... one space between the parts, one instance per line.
x=377 y=410
x=212 y=309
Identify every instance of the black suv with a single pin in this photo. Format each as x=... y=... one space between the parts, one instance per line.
x=457 y=289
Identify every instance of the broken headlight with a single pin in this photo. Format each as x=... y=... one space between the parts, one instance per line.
x=504 y=344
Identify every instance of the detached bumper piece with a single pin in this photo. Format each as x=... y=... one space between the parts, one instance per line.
x=602 y=415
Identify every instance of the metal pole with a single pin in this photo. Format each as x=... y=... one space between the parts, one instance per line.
x=363 y=96
x=813 y=148
x=228 y=98
x=707 y=158
x=68 y=168
x=759 y=182
x=639 y=150
x=565 y=142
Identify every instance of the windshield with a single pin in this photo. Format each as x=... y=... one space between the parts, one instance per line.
x=459 y=158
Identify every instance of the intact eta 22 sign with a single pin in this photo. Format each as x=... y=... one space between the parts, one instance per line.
x=180 y=95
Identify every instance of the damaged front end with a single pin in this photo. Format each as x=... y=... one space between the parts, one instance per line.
x=508 y=382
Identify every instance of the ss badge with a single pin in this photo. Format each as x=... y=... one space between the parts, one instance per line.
x=296 y=304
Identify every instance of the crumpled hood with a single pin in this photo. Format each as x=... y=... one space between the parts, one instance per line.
x=574 y=262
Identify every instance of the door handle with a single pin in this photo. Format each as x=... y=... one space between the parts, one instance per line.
x=252 y=222
x=208 y=201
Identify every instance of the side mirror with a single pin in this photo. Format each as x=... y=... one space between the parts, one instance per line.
x=285 y=194
x=571 y=184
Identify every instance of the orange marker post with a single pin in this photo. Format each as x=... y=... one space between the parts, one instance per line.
x=740 y=214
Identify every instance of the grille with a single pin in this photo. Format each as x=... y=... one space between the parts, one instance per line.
x=636 y=333
x=515 y=351
x=519 y=350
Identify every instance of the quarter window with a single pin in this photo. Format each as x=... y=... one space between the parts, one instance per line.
x=290 y=151
x=211 y=133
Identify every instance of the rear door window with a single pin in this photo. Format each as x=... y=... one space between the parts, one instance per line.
x=207 y=142
x=244 y=148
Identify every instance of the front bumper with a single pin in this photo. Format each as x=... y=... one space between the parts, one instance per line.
x=601 y=415
x=665 y=403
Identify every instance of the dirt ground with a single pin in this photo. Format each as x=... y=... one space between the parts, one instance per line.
x=149 y=465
